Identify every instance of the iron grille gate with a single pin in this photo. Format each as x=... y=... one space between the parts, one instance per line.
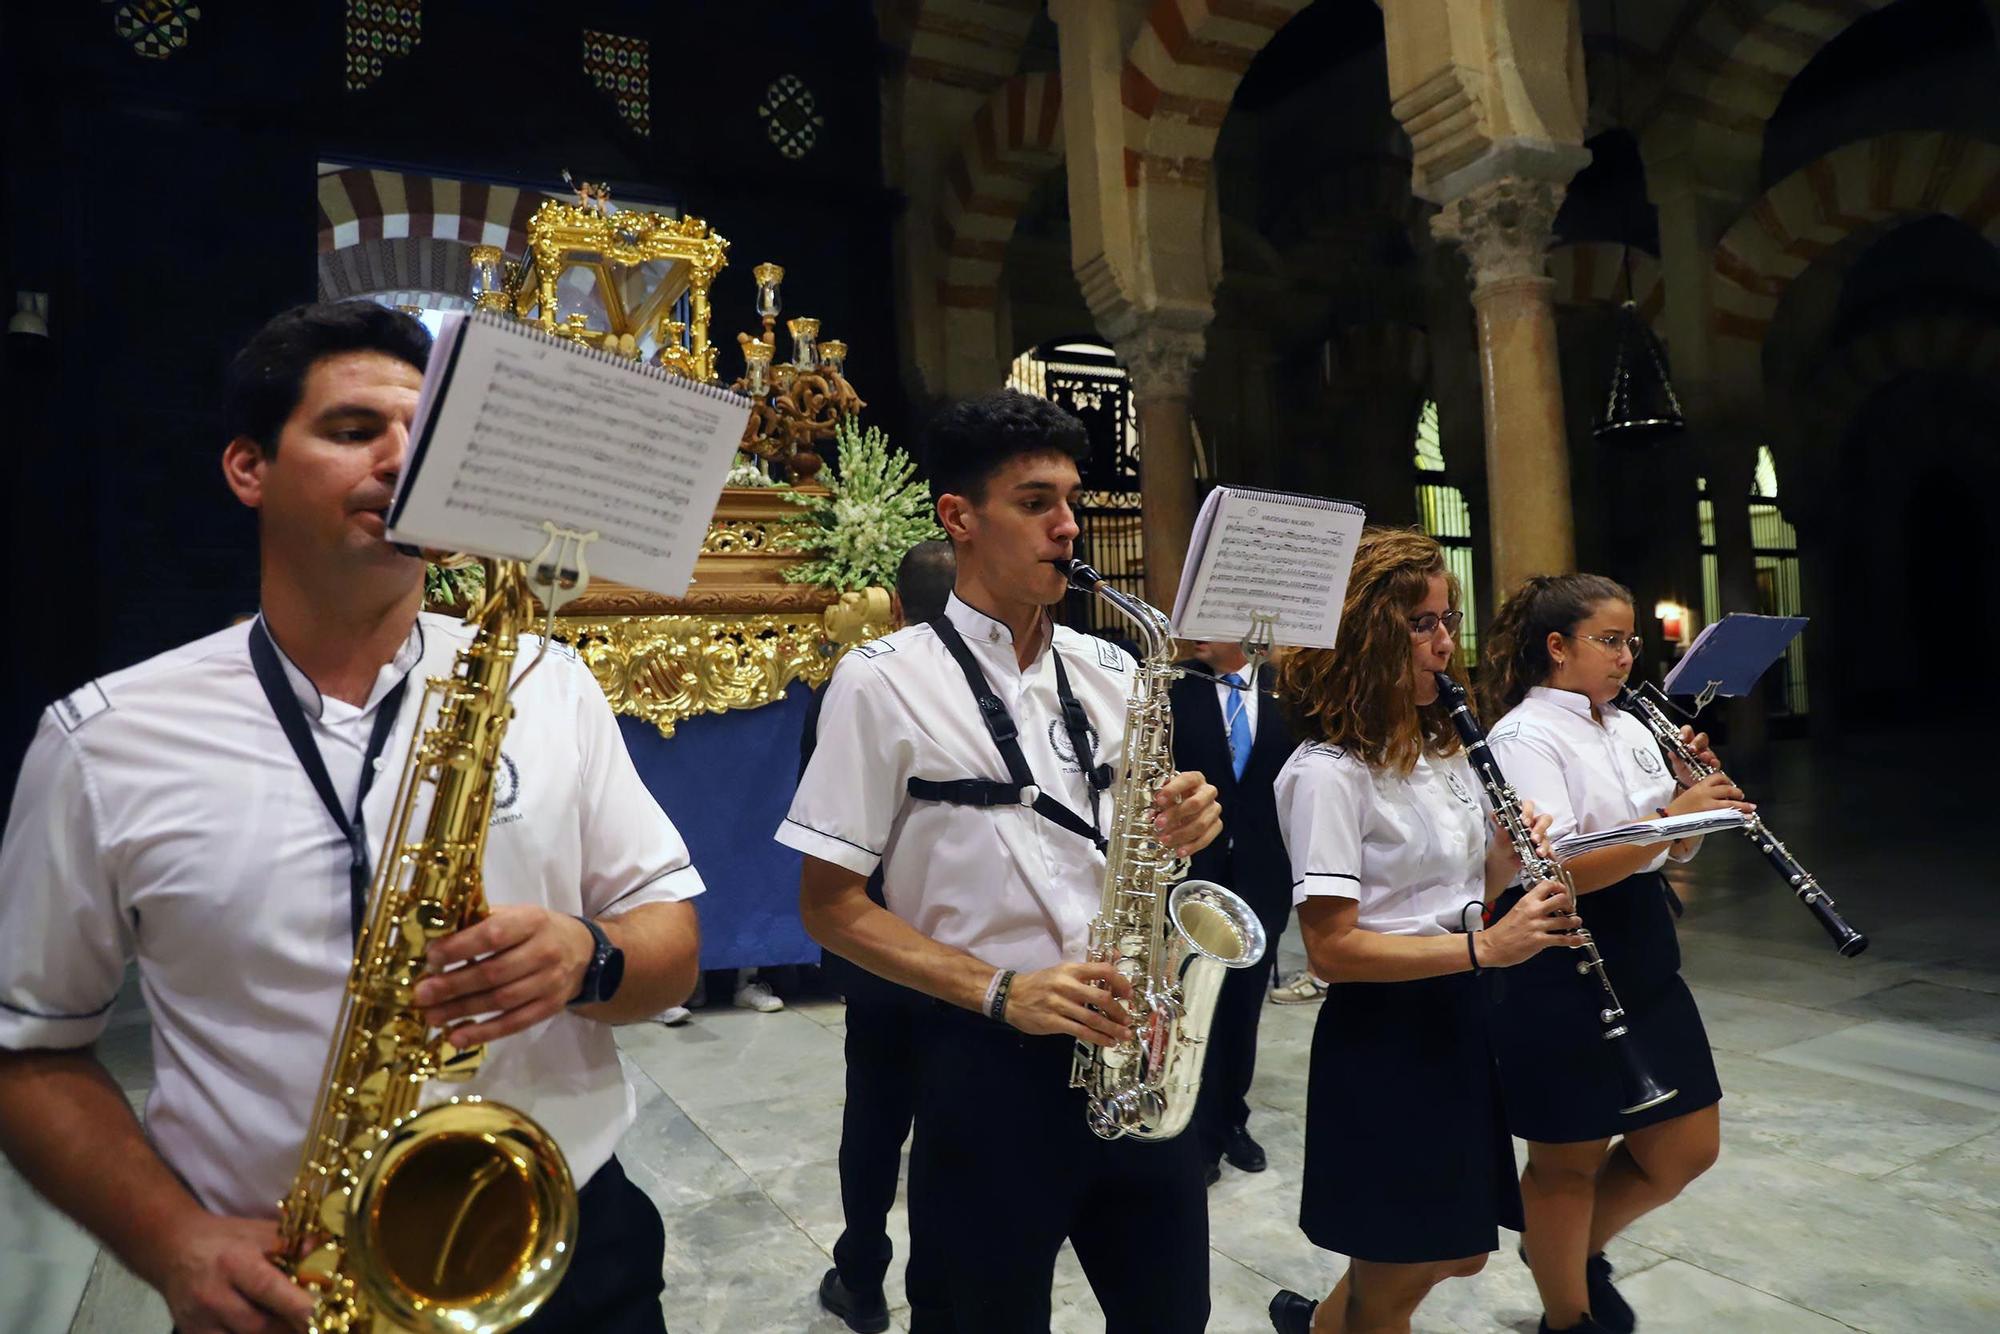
x=1086 y=380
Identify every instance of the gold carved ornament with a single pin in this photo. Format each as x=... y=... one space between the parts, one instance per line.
x=666 y=669
x=641 y=265
x=738 y=638
x=743 y=633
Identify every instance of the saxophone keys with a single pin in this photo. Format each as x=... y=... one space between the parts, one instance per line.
x=396 y=1037
x=455 y=1064
x=333 y=1208
x=367 y=1095
x=426 y=920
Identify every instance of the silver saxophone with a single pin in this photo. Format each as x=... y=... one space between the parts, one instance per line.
x=1169 y=937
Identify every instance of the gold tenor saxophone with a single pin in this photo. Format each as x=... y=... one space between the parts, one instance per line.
x=460 y=1218
x=1171 y=941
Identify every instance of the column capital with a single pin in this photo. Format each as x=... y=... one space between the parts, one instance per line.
x=1161 y=360
x=1503 y=227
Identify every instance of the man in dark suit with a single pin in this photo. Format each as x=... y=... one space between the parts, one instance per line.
x=1239 y=738
x=881 y=1049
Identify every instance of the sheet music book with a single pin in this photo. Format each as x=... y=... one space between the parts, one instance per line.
x=1733 y=652
x=515 y=427
x=1267 y=552
x=1663 y=830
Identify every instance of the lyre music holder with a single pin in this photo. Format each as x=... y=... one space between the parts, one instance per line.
x=1258 y=641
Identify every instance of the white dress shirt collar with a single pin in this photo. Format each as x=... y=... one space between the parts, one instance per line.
x=392 y=672
x=1569 y=700
x=980 y=628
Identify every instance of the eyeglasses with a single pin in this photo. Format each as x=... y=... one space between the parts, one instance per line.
x=1612 y=643
x=1426 y=625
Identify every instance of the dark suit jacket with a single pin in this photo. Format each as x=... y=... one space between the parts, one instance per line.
x=1249 y=856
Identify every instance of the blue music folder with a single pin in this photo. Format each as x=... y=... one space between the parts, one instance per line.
x=1729 y=655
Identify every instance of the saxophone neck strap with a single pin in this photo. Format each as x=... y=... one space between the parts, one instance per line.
x=1021 y=790
x=292 y=719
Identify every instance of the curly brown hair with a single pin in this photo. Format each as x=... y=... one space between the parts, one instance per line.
x=1515 y=656
x=1357 y=695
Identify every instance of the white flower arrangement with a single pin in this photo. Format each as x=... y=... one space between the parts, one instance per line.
x=874 y=511
x=454 y=583
x=746 y=471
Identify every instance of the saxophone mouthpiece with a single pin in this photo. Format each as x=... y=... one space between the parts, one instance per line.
x=1079 y=575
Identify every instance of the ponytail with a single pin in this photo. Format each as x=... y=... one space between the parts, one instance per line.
x=1515 y=655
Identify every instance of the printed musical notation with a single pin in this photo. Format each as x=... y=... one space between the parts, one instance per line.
x=515 y=428
x=1261 y=553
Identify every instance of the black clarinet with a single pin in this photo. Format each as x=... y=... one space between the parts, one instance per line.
x=1642 y=1090
x=1818 y=902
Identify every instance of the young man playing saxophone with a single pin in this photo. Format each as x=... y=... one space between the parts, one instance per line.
x=988 y=905
x=162 y=815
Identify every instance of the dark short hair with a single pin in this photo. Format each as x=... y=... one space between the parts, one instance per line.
x=924 y=580
x=266 y=380
x=970 y=441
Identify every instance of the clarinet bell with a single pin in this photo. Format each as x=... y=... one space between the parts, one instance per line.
x=1642 y=1091
x=1846 y=939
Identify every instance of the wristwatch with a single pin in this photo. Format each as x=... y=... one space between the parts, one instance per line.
x=606 y=971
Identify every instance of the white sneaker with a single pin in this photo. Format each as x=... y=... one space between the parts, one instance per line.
x=674 y=1015
x=1303 y=989
x=756 y=996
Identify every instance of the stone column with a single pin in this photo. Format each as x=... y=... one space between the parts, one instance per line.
x=1161 y=361
x=1503 y=227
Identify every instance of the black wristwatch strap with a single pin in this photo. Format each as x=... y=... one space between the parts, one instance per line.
x=593 y=976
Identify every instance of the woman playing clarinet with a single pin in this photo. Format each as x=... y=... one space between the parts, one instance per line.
x=1558 y=652
x=1408 y=1171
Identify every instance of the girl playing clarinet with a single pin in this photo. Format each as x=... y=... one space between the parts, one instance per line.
x=1409 y=1171
x=1555 y=658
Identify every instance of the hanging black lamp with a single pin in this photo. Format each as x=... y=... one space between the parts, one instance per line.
x=1641 y=407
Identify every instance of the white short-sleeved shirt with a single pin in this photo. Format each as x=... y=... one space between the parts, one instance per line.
x=1586 y=774
x=1002 y=882
x=1409 y=849
x=162 y=815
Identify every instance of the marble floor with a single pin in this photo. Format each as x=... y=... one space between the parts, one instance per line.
x=1859 y=1185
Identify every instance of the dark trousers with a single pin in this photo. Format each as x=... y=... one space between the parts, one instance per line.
x=882 y=1035
x=1004 y=1169
x=1223 y=1104
x=615 y=1278
x=614 y=1283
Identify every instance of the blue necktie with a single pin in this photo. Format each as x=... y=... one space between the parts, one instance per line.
x=1238 y=719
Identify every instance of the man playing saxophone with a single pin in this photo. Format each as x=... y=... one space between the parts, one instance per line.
x=207 y=814
x=970 y=758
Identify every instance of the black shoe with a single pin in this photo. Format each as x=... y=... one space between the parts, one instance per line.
x=864 y=1313
x=1583 y=1326
x=1611 y=1311
x=1291 y=1313
x=1211 y=1174
x=1244 y=1154
x=1607 y=1308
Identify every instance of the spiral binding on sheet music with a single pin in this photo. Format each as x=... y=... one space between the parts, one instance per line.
x=1295 y=500
x=499 y=320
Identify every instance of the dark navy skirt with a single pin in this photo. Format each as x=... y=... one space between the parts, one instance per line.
x=1563 y=1081
x=1407 y=1154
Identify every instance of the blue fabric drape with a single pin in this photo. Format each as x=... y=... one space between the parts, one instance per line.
x=726 y=781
